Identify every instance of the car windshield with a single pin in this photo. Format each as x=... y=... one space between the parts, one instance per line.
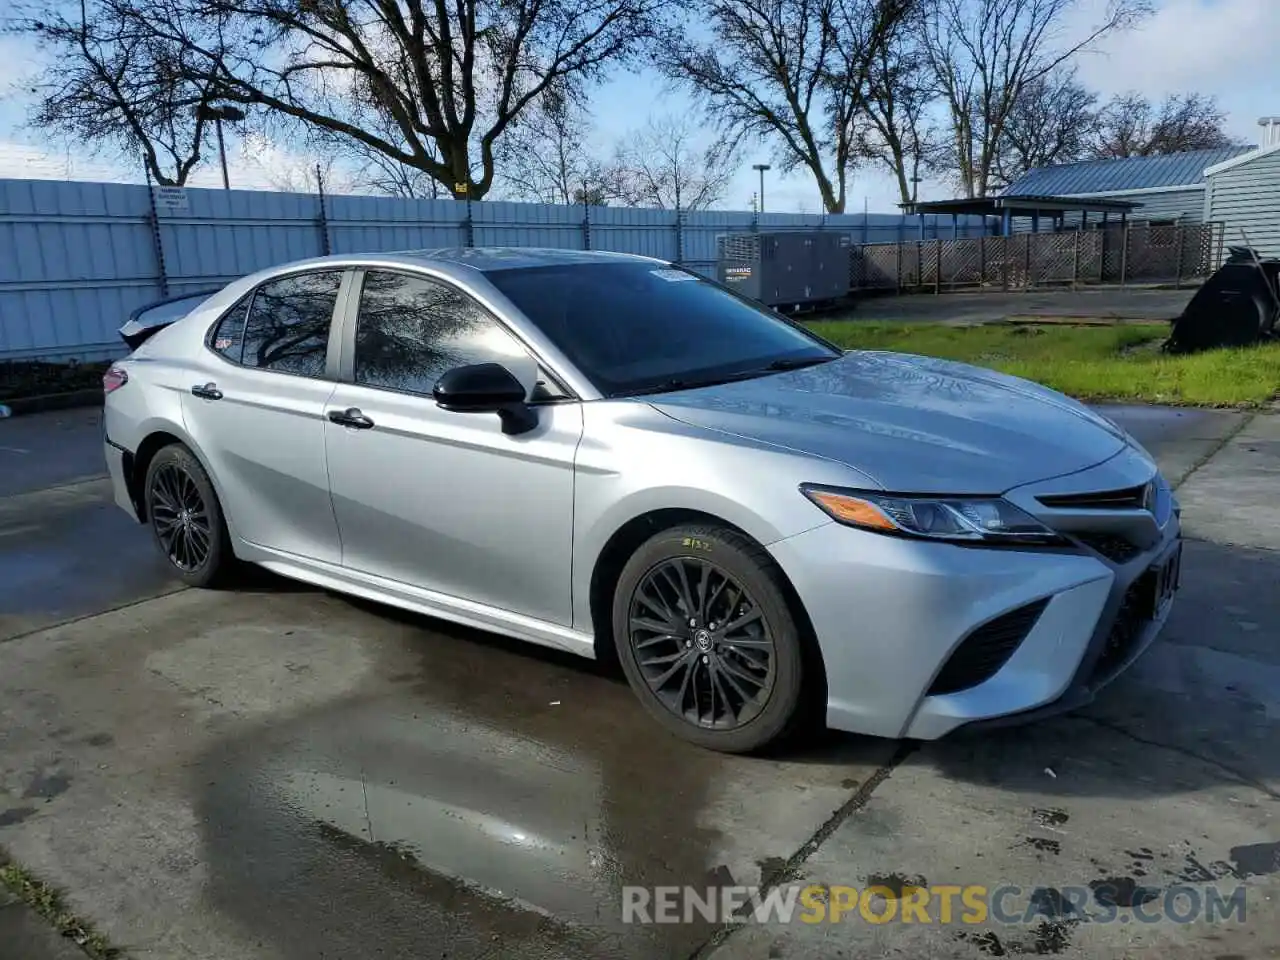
x=645 y=327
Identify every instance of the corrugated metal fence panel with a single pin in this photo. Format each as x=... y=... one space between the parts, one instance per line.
x=72 y=255
x=649 y=233
x=229 y=233
x=380 y=224
x=505 y=224
x=77 y=258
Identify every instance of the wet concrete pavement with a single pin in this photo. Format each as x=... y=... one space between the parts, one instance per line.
x=50 y=449
x=283 y=773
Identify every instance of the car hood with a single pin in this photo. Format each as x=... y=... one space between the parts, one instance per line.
x=913 y=424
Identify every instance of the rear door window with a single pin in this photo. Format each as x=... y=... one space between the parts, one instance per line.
x=288 y=324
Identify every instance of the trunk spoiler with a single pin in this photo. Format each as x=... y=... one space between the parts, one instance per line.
x=149 y=319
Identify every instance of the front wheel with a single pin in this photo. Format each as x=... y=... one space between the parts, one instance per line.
x=708 y=640
x=186 y=518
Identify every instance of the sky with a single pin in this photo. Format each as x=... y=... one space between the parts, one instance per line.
x=1226 y=48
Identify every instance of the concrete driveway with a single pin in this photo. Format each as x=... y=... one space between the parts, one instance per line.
x=280 y=772
x=1104 y=303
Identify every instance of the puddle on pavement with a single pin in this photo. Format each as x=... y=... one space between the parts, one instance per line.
x=53 y=565
x=465 y=809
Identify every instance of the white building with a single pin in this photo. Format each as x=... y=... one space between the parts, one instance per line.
x=1243 y=194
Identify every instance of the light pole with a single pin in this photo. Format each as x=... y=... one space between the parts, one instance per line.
x=762 y=167
x=217 y=114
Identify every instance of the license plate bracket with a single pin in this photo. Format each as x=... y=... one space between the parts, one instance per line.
x=1163 y=580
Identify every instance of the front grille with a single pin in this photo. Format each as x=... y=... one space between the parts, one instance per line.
x=1130 y=498
x=981 y=654
x=1114 y=547
x=1127 y=628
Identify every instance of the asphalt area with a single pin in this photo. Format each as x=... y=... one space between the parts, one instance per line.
x=989 y=306
x=280 y=772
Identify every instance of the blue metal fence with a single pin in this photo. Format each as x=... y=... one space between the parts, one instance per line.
x=76 y=258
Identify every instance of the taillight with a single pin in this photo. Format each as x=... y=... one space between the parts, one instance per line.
x=115 y=378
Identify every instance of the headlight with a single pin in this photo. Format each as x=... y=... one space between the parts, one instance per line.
x=961 y=519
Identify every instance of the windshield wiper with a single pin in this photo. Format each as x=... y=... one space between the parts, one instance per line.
x=775 y=366
x=797 y=363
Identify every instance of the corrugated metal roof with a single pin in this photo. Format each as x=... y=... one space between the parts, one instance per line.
x=1130 y=173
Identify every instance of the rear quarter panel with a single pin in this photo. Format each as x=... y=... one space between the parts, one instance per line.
x=160 y=372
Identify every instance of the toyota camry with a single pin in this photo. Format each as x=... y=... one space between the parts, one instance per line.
x=615 y=456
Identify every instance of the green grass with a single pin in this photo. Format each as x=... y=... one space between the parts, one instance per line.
x=48 y=903
x=1119 y=362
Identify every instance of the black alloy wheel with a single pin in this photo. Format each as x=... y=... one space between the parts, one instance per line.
x=702 y=643
x=186 y=517
x=180 y=517
x=708 y=635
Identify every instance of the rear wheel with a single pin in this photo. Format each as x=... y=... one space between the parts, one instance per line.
x=186 y=518
x=708 y=640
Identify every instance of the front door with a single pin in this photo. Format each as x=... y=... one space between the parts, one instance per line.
x=256 y=411
x=447 y=501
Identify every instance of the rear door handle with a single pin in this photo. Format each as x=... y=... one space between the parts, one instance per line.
x=351 y=417
x=207 y=391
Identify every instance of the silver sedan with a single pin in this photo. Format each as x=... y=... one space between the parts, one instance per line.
x=614 y=456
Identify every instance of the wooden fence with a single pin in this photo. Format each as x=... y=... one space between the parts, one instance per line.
x=1136 y=253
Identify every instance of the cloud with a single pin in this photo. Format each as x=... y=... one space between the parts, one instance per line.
x=1225 y=48
x=256 y=164
x=26 y=161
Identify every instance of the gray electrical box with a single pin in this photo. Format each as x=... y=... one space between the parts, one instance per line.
x=785 y=269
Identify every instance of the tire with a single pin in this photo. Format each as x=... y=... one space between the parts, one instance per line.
x=697 y=702
x=186 y=518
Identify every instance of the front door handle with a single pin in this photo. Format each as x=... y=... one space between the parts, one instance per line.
x=351 y=417
x=207 y=391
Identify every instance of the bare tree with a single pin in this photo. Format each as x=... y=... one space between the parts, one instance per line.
x=378 y=173
x=791 y=72
x=111 y=82
x=898 y=127
x=662 y=165
x=1130 y=125
x=545 y=157
x=449 y=78
x=985 y=53
x=304 y=171
x=371 y=170
x=1052 y=121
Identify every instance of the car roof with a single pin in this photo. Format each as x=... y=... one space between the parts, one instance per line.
x=456 y=261
x=511 y=258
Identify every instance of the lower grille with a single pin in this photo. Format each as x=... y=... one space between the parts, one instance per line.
x=1127 y=628
x=1115 y=548
x=981 y=654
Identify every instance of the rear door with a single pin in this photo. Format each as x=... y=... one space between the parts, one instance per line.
x=259 y=416
x=439 y=500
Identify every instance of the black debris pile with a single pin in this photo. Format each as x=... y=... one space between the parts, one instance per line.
x=1237 y=306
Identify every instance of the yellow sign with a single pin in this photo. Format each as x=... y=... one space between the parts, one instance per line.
x=460 y=188
x=880 y=905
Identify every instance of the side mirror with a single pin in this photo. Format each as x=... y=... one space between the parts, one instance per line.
x=486 y=388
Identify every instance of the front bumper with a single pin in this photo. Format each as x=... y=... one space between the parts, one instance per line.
x=889 y=614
